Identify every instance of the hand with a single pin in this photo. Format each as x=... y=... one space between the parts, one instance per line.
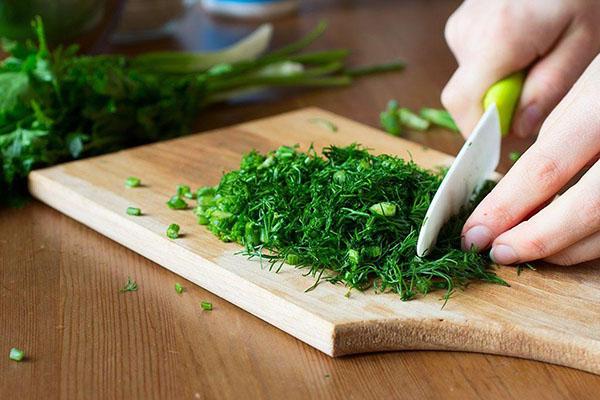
x=515 y=217
x=557 y=39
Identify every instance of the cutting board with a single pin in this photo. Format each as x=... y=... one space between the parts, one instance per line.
x=552 y=314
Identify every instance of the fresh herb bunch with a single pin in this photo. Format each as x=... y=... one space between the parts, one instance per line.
x=348 y=216
x=57 y=105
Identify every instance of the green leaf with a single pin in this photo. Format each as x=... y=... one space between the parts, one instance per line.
x=75 y=143
x=13 y=86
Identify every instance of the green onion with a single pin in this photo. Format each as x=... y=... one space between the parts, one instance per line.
x=206 y=306
x=173 y=231
x=412 y=120
x=132 y=182
x=16 y=354
x=440 y=118
x=390 y=120
x=178 y=288
x=514 y=156
x=384 y=209
x=324 y=123
x=177 y=203
x=182 y=190
x=134 y=211
x=130 y=286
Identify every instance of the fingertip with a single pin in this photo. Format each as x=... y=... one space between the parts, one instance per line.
x=527 y=120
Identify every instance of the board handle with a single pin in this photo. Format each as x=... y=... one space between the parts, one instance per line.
x=505 y=94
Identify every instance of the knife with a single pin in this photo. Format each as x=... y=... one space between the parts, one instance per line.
x=475 y=162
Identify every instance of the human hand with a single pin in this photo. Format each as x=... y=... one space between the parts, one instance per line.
x=515 y=217
x=557 y=39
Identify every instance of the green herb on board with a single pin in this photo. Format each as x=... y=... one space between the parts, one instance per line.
x=324 y=123
x=390 y=119
x=206 y=306
x=412 y=121
x=130 y=286
x=440 y=118
x=57 y=105
x=133 y=182
x=178 y=288
x=173 y=231
x=16 y=354
x=345 y=216
x=177 y=203
x=134 y=211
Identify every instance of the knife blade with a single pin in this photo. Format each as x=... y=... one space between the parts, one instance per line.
x=476 y=161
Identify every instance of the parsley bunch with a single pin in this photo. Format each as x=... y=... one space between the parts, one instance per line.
x=58 y=105
x=346 y=216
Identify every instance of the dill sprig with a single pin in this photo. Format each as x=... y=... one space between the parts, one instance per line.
x=130 y=286
x=346 y=216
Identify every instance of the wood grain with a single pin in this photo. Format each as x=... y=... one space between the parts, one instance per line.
x=530 y=320
x=59 y=279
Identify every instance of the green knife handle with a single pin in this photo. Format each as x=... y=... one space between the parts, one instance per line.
x=505 y=93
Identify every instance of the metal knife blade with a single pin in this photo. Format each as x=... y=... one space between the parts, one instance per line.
x=475 y=162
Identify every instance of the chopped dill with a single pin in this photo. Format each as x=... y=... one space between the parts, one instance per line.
x=178 y=288
x=130 y=286
x=346 y=216
x=206 y=306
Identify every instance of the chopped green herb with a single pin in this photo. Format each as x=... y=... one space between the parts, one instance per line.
x=173 y=231
x=390 y=120
x=132 y=182
x=413 y=121
x=440 y=118
x=384 y=209
x=178 y=288
x=514 y=156
x=134 y=211
x=183 y=191
x=130 y=286
x=347 y=216
x=206 y=306
x=322 y=122
x=177 y=203
x=16 y=354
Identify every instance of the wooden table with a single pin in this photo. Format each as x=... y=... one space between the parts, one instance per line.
x=59 y=280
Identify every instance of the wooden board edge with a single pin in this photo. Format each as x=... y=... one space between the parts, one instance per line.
x=305 y=326
x=446 y=335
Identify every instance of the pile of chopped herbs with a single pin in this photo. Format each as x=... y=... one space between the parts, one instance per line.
x=57 y=105
x=346 y=216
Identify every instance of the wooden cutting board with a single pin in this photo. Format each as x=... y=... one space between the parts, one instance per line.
x=552 y=314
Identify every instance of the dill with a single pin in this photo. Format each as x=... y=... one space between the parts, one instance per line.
x=206 y=306
x=344 y=216
x=130 y=286
x=178 y=288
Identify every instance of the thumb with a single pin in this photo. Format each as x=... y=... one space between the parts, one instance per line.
x=551 y=78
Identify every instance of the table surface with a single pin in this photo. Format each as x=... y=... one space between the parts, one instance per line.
x=59 y=280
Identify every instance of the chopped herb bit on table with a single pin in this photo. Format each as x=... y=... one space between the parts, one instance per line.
x=344 y=216
x=133 y=182
x=206 y=306
x=130 y=286
x=173 y=231
x=16 y=354
x=178 y=288
x=134 y=211
x=177 y=203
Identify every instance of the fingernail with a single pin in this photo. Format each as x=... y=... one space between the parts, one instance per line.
x=503 y=254
x=478 y=236
x=529 y=120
